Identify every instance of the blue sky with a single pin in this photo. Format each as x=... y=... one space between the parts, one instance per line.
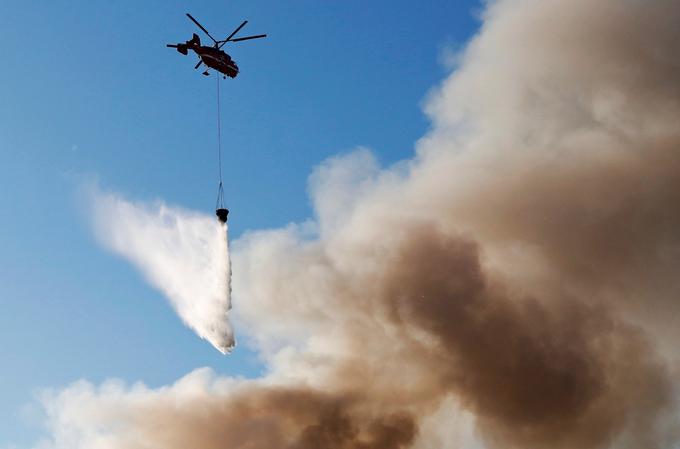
x=89 y=91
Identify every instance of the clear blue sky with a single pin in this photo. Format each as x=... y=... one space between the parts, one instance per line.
x=89 y=90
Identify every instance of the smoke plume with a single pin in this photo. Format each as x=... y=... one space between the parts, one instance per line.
x=514 y=285
x=185 y=255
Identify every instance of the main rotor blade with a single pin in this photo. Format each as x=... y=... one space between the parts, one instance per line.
x=248 y=38
x=201 y=27
x=199 y=64
x=171 y=45
x=228 y=39
x=236 y=31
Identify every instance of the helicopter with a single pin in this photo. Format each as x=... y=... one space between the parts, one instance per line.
x=213 y=57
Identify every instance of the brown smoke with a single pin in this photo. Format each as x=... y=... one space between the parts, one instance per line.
x=538 y=372
x=273 y=418
x=522 y=269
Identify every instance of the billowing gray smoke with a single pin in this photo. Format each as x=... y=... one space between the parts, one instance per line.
x=513 y=286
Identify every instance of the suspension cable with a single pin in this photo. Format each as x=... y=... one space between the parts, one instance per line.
x=220 y=189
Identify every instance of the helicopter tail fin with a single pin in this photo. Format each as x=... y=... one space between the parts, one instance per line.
x=195 y=40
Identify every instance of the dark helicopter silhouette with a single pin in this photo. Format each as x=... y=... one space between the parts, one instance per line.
x=213 y=57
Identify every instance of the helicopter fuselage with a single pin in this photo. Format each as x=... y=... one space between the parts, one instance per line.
x=217 y=59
